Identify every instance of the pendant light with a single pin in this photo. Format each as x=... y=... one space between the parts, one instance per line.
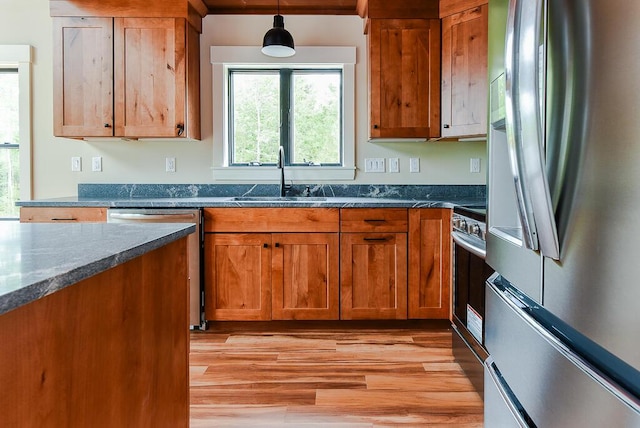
x=277 y=41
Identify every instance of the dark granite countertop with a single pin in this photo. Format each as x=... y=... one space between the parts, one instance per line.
x=264 y=195
x=38 y=259
x=204 y=202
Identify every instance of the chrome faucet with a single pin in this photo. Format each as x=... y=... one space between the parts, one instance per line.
x=283 y=187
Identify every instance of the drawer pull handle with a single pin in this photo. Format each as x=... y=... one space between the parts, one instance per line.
x=374 y=220
x=376 y=239
x=64 y=219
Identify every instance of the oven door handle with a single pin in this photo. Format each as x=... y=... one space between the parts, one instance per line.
x=468 y=245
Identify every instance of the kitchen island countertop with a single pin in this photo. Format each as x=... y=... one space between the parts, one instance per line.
x=38 y=259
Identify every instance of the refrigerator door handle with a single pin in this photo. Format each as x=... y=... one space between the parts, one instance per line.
x=524 y=78
x=506 y=396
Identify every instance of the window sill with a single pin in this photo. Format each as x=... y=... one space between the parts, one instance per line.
x=256 y=174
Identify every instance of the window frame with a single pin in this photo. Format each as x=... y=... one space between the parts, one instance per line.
x=225 y=57
x=20 y=57
x=287 y=140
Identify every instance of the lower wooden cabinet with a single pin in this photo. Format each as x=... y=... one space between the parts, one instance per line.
x=237 y=276
x=290 y=273
x=305 y=276
x=378 y=264
x=430 y=263
x=373 y=276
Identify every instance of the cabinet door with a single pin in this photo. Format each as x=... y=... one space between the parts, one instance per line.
x=464 y=72
x=83 y=77
x=305 y=276
x=430 y=263
x=404 y=77
x=150 y=77
x=237 y=276
x=373 y=276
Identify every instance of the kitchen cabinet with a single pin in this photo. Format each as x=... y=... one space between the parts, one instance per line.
x=126 y=77
x=62 y=214
x=271 y=263
x=429 y=288
x=373 y=263
x=404 y=78
x=464 y=67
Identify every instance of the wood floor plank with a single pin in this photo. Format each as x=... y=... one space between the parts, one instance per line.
x=329 y=378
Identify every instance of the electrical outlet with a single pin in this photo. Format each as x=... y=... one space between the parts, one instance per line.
x=76 y=164
x=394 y=165
x=96 y=163
x=170 y=164
x=374 y=165
x=414 y=165
x=474 y=165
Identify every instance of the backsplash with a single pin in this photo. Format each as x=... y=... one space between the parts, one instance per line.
x=417 y=192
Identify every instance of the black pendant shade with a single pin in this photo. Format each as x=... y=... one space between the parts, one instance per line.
x=278 y=42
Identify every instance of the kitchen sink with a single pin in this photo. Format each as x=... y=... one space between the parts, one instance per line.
x=278 y=199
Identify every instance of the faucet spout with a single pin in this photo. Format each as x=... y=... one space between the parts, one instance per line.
x=283 y=187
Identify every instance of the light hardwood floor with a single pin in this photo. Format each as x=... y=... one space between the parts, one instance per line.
x=329 y=378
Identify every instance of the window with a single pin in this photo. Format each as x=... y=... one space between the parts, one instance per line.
x=304 y=103
x=15 y=128
x=9 y=143
x=299 y=109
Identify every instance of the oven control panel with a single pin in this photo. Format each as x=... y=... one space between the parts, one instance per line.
x=469 y=226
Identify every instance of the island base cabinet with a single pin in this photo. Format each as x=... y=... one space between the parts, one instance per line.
x=373 y=276
x=305 y=276
x=110 y=351
x=237 y=276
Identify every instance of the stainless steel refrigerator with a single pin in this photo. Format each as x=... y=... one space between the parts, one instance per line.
x=563 y=309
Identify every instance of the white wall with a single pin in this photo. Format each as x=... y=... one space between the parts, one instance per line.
x=28 y=22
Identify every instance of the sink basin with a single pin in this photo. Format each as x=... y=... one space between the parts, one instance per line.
x=278 y=199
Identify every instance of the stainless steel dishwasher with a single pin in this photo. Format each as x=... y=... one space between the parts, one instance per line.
x=194 y=246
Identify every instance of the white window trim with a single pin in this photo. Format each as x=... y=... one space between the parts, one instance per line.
x=224 y=57
x=19 y=56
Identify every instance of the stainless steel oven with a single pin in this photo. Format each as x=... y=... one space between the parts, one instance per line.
x=194 y=245
x=469 y=275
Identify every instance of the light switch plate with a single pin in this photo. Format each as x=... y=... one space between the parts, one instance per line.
x=474 y=165
x=76 y=164
x=96 y=164
x=414 y=165
x=170 y=164
x=394 y=165
x=374 y=165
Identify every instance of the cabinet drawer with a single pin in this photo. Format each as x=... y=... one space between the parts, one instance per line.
x=271 y=220
x=374 y=220
x=62 y=214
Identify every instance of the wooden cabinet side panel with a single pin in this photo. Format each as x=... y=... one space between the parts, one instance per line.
x=149 y=76
x=237 y=276
x=193 y=84
x=430 y=263
x=305 y=276
x=373 y=276
x=464 y=72
x=62 y=214
x=111 y=350
x=83 y=77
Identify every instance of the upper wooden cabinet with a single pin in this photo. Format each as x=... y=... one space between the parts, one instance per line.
x=130 y=77
x=404 y=78
x=464 y=68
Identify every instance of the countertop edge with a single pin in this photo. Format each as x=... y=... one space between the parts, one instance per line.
x=37 y=290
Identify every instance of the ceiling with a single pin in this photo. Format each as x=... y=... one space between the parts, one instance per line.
x=287 y=7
